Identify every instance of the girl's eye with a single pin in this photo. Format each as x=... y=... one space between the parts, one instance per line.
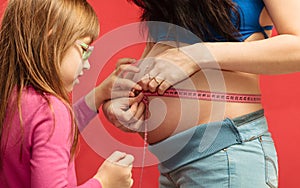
x=83 y=50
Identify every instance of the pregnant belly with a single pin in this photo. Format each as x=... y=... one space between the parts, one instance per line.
x=170 y=115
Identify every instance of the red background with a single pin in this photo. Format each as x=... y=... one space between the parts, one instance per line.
x=280 y=99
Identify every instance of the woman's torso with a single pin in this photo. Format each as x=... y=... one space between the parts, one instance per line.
x=172 y=115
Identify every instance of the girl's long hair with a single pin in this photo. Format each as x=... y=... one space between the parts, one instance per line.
x=34 y=37
x=204 y=18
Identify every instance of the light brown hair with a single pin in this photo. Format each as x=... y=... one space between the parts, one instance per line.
x=34 y=37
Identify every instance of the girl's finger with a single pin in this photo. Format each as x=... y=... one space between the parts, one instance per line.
x=126 y=116
x=138 y=125
x=116 y=156
x=123 y=69
x=126 y=161
x=139 y=112
x=123 y=83
x=125 y=61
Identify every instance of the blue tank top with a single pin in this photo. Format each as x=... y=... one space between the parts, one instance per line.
x=249 y=11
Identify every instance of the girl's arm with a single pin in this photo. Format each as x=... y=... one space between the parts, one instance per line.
x=114 y=86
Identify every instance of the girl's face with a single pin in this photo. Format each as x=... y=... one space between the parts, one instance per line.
x=73 y=63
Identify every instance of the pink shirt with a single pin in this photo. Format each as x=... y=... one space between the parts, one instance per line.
x=46 y=148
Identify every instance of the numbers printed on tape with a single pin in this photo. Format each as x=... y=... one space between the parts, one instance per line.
x=209 y=96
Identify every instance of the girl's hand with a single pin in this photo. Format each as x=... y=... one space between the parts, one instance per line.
x=115 y=172
x=126 y=114
x=116 y=85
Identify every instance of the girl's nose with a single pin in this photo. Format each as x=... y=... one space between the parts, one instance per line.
x=86 y=65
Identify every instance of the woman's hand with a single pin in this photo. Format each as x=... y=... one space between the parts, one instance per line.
x=167 y=68
x=126 y=114
x=116 y=171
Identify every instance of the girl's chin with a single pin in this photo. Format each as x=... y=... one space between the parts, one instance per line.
x=76 y=81
x=70 y=87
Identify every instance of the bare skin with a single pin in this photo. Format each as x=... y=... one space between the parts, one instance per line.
x=239 y=66
x=177 y=119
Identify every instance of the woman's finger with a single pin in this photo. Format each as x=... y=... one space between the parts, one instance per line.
x=163 y=87
x=155 y=83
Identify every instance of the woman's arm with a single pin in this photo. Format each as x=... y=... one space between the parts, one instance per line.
x=276 y=55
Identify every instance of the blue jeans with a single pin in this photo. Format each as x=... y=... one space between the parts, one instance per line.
x=240 y=154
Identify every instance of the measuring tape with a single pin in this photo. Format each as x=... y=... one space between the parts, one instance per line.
x=209 y=96
x=145 y=141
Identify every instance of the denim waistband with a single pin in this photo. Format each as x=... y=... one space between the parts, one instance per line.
x=206 y=139
x=241 y=120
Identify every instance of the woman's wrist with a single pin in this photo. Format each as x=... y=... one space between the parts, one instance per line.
x=200 y=54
